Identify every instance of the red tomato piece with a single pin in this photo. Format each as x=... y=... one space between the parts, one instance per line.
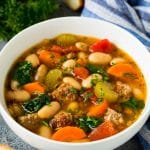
x=102 y=46
x=57 y=49
x=81 y=72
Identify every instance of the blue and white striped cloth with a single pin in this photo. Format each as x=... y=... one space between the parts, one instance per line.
x=132 y=15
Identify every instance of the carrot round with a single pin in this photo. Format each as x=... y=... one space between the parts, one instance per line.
x=123 y=70
x=34 y=87
x=104 y=130
x=68 y=133
x=98 y=110
x=49 y=58
x=81 y=72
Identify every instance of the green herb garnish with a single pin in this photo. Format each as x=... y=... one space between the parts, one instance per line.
x=87 y=96
x=98 y=69
x=134 y=103
x=35 y=104
x=23 y=72
x=73 y=90
x=88 y=123
x=45 y=123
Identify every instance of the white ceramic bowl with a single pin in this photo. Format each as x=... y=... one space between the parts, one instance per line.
x=82 y=26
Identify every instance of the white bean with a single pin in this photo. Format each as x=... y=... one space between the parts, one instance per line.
x=14 y=85
x=33 y=59
x=71 y=81
x=90 y=80
x=18 y=95
x=138 y=94
x=68 y=65
x=41 y=73
x=49 y=111
x=81 y=46
x=45 y=131
x=117 y=60
x=99 y=58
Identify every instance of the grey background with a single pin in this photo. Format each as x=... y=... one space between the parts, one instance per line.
x=7 y=136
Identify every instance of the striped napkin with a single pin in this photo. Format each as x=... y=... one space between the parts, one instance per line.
x=132 y=15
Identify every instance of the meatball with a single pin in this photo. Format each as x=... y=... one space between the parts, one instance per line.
x=64 y=93
x=114 y=117
x=61 y=119
x=124 y=91
x=30 y=121
x=15 y=110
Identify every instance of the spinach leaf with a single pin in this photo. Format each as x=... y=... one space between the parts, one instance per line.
x=73 y=90
x=35 y=104
x=23 y=72
x=98 y=69
x=134 y=103
x=88 y=123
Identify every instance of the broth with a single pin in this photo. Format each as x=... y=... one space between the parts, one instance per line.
x=75 y=88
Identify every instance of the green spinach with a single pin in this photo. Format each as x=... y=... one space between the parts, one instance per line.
x=35 y=104
x=88 y=123
x=134 y=103
x=98 y=69
x=23 y=72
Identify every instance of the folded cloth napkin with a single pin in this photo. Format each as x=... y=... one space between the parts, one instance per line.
x=132 y=15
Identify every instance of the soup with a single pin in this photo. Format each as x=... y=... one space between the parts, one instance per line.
x=75 y=88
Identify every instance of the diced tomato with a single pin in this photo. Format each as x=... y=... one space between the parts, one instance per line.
x=104 y=130
x=56 y=48
x=81 y=72
x=94 y=99
x=104 y=46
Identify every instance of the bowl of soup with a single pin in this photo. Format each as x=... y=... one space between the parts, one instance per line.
x=75 y=82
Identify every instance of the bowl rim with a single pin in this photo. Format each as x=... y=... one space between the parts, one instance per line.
x=34 y=135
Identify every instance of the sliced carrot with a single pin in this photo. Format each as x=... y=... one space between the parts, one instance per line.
x=104 y=130
x=49 y=58
x=68 y=133
x=81 y=72
x=34 y=87
x=98 y=110
x=123 y=70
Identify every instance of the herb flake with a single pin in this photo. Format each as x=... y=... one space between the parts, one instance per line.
x=88 y=123
x=134 y=104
